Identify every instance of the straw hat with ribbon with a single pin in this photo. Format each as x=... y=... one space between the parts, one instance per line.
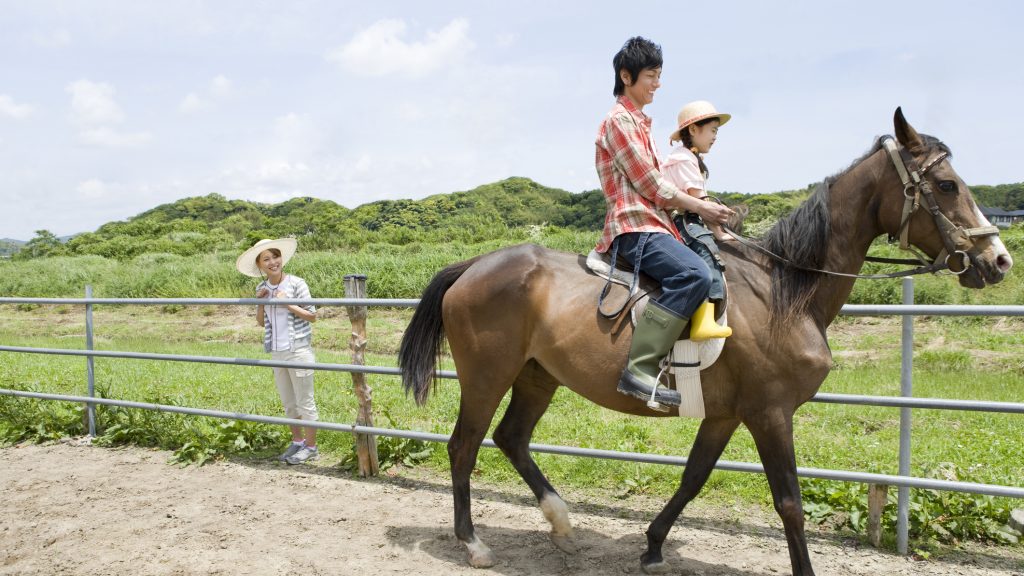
x=695 y=112
x=246 y=263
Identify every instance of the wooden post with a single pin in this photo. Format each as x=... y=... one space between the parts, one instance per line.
x=878 y=494
x=366 y=444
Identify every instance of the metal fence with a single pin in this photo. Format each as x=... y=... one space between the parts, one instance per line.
x=905 y=402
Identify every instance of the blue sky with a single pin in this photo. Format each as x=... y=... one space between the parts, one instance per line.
x=108 y=109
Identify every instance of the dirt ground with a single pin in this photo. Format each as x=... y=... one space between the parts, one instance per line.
x=71 y=508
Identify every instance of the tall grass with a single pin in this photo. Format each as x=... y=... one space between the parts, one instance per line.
x=392 y=271
x=398 y=272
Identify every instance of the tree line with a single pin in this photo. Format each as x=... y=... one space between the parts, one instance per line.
x=213 y=223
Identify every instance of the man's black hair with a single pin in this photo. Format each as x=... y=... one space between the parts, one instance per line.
x=637 y=54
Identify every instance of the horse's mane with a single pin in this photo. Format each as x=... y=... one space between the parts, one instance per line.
x=802 y=237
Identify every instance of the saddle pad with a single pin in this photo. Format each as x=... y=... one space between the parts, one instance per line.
x=598 y=264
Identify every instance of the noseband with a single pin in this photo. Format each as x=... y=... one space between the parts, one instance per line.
x=957 y=240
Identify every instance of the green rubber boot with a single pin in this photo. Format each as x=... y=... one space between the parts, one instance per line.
x=656 y=331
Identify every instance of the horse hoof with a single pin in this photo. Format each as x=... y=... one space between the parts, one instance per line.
x=655 y=567
x=480 y=556
x=485 y=560
x=564 y=543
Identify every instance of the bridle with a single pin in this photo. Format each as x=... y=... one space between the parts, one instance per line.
x=917 y=192
x=956 y=240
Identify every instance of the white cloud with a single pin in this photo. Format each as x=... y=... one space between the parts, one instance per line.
x=58 y=38
x=293 y=138
x=192 y=103
x=11 y=109
x=220 y=86
x=94 y=110
x=220 y=89
x=380 y=50
x=506 y=40
x=92 y=103
x=106 y=137
x=285 y=160
x=91 y=189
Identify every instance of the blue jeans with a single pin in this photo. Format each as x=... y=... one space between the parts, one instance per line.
x=684 y=276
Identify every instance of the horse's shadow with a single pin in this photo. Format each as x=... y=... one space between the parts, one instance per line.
x=531 y=551
x=597 y=554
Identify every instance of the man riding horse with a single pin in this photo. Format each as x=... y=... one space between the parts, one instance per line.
x=638 y=224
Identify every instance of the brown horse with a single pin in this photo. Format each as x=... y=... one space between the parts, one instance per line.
x=525 y=318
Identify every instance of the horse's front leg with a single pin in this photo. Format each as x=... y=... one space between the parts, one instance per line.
x=773 y=435
x=711 y=440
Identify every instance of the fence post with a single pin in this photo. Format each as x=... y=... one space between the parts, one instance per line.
x=90 y=370
x=877 y=496
x=366 y=444
x=906 y=391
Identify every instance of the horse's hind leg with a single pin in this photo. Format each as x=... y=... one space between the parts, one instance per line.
x=482 y=391
x=773 y=435
x=712 y=437
x=531 y=396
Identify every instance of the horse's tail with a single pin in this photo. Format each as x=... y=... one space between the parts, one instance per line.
x=423 y=340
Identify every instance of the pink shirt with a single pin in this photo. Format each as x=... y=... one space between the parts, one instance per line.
x=627 y=165
x=681 y=168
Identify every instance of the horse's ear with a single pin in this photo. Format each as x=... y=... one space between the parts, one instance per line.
x=905 y=133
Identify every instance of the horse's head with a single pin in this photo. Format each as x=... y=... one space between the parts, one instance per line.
x=936 y=212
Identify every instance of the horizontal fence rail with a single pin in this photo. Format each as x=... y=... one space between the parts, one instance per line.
x=826 y=398
x=847 y=310
x=842 y=475
x=903 y=480
x=381 y=302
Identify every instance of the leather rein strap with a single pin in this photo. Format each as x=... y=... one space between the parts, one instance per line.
x=956 y=239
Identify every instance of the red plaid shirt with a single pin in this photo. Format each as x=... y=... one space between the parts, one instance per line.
x=627 y=164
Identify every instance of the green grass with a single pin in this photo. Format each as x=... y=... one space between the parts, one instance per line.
x=398 y=272
x=827 y=435
x=858 y=438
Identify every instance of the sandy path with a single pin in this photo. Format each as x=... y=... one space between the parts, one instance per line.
x=69 y=508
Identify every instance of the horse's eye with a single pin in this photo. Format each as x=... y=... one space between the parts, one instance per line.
x=948 y=186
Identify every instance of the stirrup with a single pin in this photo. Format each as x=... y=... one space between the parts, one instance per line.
x=651 y=402
x=661 y=400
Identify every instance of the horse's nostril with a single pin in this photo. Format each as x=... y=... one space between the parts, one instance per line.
x=1004 y=262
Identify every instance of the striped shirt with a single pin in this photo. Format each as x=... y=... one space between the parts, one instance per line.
x=627 y=165
x=300 y=332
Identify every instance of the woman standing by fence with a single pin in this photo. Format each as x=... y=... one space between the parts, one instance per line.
x=287 y=335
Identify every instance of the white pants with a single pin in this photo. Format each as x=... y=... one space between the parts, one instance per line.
x=295 y=385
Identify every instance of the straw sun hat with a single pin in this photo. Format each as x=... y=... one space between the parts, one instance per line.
x=695 y=112
x=246 y=263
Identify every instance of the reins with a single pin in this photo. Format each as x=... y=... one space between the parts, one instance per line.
x=918 y=192
x=750 y=243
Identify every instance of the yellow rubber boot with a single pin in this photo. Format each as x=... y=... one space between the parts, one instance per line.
x=703 y=325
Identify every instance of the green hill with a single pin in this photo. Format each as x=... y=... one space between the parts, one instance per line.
x=212 y=223
x=9 y=246
x=1005 y=196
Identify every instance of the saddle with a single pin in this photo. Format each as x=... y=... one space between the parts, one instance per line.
x=682 y=367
